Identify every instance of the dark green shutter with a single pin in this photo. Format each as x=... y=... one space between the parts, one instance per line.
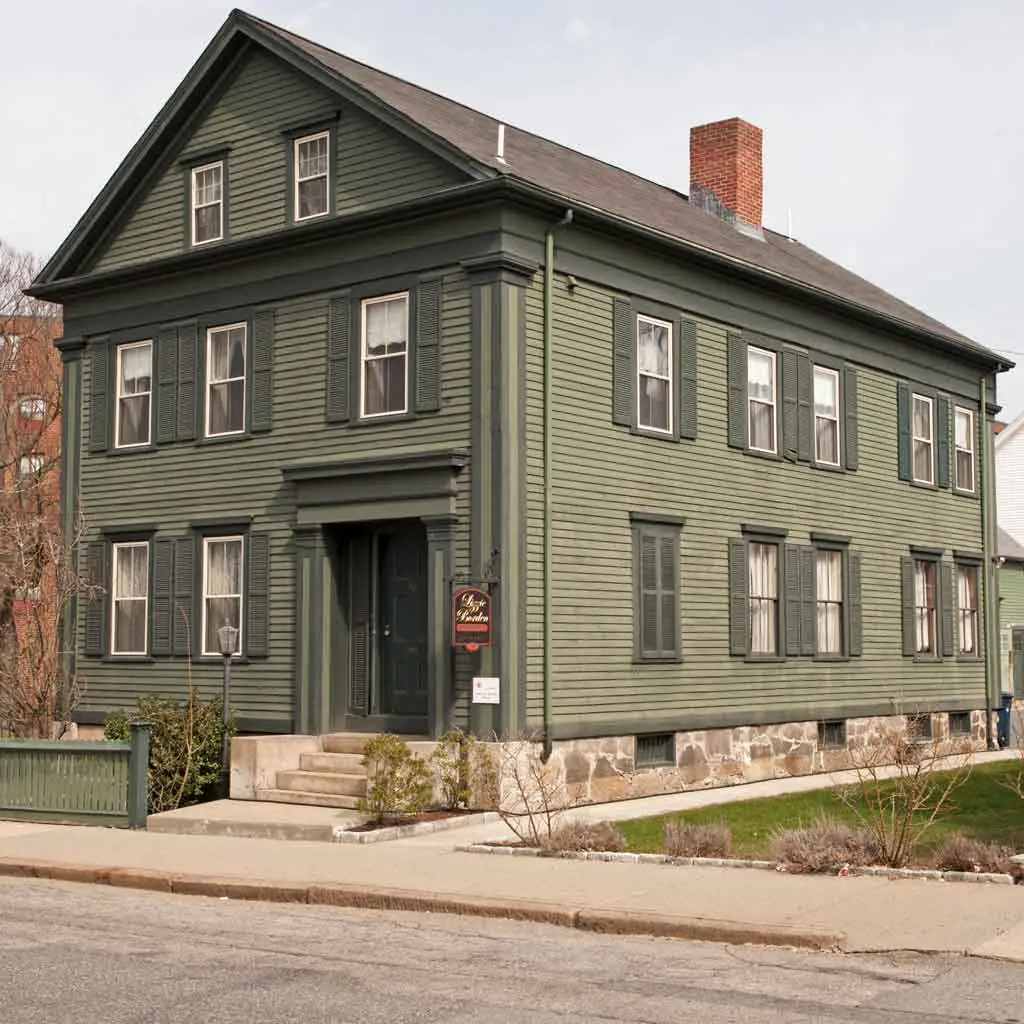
x=649 y=596
x=907 y=594
x=790 y=426
x=805 y=408
x=668 y=586
x=808 y=600
x=102 y=394
x=359 y=676
x=855 y=642
x=850 y=425
x=791 y=587
x=166 y=385
x=160 y=645
x=188 y=350
x=942 y=446
x=339 y=358
x=186 y=641
x=739 y=604
x=428 y=346
x=96 y=618
x=903 y=403
x=262 y=405
x=737 y=396
x=946 y=616
x=687 y=413
x=257 y=596
x=623 y=363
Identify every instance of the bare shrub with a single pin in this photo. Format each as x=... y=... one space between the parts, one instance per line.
x=823 y=847
x=905 y=783
x=685 y=840
x=585 y=836
x=960 y=853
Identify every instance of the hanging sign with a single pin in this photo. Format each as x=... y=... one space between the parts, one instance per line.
x=471 y=618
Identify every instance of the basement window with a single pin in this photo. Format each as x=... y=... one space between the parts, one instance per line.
x=655 y=749
x=959 y=723
x=919 y=727
x=832 y=734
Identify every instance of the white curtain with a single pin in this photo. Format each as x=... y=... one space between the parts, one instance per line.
x=924 y=605
x=761 y=399
x=826 y=416
x=830 y=602
x=967 y=602
x=763 y=588
x=136 y=370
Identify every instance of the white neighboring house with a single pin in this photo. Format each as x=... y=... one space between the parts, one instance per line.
x=1009 y=457
x=1009 y=463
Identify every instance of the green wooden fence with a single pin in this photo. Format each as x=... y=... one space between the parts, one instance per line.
x=76 y=781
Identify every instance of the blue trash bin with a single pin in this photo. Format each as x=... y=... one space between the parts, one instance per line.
x=1003 y=723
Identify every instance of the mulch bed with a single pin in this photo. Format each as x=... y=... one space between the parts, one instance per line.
x=410 y=819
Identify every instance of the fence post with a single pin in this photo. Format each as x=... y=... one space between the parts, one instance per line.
x=138 y=775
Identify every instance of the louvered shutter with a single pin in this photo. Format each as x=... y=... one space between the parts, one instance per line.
x=737 y=394
x=359 y=676
x=668 y=595
x=167 y=385
x=262 y=404
x=790 y=421
x=942 y=437
x=804 y=408
x=188 y=357
x=739 y=604
x=791 y=596
x=339 y=358
x=649 y=596
x=160 y=644
x=856 y=607
x=946 y=612
x=428 y=346
x=102 y=394
x=686 y=415
x=257 y=596
x=907 y=594
x=187 y=642
x=850 y=418
x=903 y=429
x=808 y=600
x=96 y=614
x=623 y=364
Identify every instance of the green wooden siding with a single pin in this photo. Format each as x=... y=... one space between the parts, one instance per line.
x=602 y=473
x=191 y=481
x=1011 y=595
x=372 y=165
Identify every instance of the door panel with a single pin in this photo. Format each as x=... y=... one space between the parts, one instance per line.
x=361 y=624
x=402 y=621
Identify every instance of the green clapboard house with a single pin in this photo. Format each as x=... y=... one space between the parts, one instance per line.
x=336 y=346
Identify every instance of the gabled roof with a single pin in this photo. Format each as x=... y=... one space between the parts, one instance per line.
x=1009 y=432
x=469 y=138
x=1009 y=548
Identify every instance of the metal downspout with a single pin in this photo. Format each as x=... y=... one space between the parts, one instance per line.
x=549 y=279
x=992 y=684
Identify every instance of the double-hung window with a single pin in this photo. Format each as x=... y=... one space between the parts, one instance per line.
x=225 y=380
x=32 y=407
x=30 y=465
x=656 y=589
x=312 y=163
x=761 y=400
x=654 y=374
x=763 y=591
x=385 y=355
x=967 y=605
x=222 y=590
x=134 y=394
x=923 y=439
x=207 y=216
x=129 y=598
x=829 y=601
x=9 y=344
x=964 y=438
x=925 y=606
x=826 y=416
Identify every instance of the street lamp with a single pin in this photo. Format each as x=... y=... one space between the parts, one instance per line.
x=227 y=641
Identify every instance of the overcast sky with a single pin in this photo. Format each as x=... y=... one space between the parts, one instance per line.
x=893 y=128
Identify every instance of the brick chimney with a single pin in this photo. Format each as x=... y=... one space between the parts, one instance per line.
x=726 y=176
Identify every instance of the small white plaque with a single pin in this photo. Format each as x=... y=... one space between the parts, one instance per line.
x=486 y=690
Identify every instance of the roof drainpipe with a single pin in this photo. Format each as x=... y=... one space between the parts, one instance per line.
x=986 y=494
x=549 y=280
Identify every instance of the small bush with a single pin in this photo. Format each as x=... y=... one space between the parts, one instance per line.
x=959 y=853
x=585 y=836
x=398 y=783
x=823 y=847
x=453 y=761
x=685 y=840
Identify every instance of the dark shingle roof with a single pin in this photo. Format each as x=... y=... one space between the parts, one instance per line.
x=612 y=190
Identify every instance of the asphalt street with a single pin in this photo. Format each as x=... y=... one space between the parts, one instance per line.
x=77 y=953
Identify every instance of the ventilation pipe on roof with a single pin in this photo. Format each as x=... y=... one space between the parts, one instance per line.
x=549 y=280
x=500 y=155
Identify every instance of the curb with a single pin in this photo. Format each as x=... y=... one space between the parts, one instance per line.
x=725 y=862
x=419 y=828
x=606 y=922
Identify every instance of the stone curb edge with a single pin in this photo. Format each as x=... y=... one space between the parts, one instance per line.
x=419 y=828
x=608 y=922
x=725 y=862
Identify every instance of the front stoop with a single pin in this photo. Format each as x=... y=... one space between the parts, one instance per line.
x=334 y=776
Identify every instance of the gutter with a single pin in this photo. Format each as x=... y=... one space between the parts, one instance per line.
x=549 y=279
x=990 y=597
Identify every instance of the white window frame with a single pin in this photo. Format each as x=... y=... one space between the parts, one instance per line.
x=226 y=539
x=654 y=321
x=837 y=419
x=771 y=600
x=30 y=464
x=969 y=413
x=36 y=407
x=929 y=440
x=9 y=345
x=968 y=570
x=821 y=613
x=194 y=207
x=116 y=549
x=298 y=180
x=926 y=617
x=210 y=382
x=365 y=358
x=118 y=396
x=773 y=356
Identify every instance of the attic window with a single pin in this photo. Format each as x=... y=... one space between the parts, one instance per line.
x=312 y=172
x=208 y=203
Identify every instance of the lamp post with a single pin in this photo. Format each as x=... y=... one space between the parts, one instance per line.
x=227 y=641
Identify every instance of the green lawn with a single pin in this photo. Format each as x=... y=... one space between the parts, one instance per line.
x=981 y=809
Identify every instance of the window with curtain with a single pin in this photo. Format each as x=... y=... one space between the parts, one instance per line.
x=925 y=606
x=829 y=592
x=923 y=433
x=207 y=203
x=826 y=416
x=654 y=374
x=222 y=589
x=32 y=407
x=134 y=394
x=385 y=388
x=225 y=380
x=129 y=598
x=312 y=167
x=761 y=399
x=964 y=437
x=967 y=603
x=763 y=590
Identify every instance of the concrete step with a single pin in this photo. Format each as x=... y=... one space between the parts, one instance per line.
x=294 y=796
x=322 y=782
x=345 y=742
x=347 y=764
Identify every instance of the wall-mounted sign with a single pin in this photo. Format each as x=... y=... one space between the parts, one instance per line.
x=471 y=618
x=486 y=690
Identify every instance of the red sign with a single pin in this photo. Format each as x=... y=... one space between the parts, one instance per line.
x=471 y=618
